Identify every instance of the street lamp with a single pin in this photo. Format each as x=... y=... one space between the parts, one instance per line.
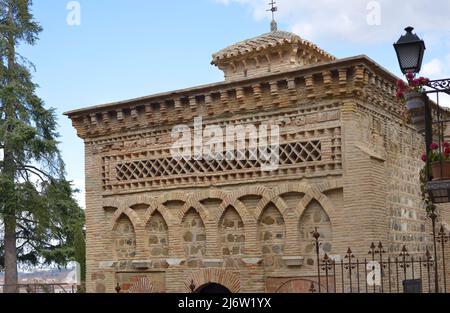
x=410 y=50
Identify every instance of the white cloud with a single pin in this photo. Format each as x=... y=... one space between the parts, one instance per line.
x=438 y=69
x=355 y=20
x=305 y=29
x=433 y=68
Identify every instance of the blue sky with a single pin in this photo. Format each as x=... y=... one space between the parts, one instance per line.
x=129 y=48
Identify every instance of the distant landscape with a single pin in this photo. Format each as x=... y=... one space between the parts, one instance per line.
x=48 y=276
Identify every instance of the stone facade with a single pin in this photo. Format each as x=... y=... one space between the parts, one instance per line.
x=348 y=165
x=124 y=239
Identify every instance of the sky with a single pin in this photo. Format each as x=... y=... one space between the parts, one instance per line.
x=98 y=51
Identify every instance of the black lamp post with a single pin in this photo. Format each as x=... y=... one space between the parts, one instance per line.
x=410 y=50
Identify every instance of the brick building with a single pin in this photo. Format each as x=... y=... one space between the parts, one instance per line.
x=348 y=165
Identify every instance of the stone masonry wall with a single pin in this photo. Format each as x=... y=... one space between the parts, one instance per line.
x=408 y=220
x=194 y=238
x=314 y=216
x=232 y=238
x=158 y=239
x=272 y=234
x=124 y=239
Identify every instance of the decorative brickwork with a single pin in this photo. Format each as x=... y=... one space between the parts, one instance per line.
x=141 y=282
x=147 y=169
x=143 y=285
x=290 y=154
x=227 y=279
x=348 y=166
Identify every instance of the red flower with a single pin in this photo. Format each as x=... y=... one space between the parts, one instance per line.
x=423 y=81
x=447 y=151
x=446 y=145
x=401 y=84
x=410 y=76
x=424 y=157
x=434 y=146
x=400 y=94
x=414 y=83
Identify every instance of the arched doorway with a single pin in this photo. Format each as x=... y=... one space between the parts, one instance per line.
x=197 y=281
x=213 y=288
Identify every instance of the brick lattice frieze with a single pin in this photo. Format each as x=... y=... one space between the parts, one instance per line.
x=156 y=168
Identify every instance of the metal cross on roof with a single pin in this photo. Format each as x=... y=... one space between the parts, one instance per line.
x=273 y=9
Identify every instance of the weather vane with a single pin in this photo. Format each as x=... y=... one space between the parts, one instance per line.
x=273 y=9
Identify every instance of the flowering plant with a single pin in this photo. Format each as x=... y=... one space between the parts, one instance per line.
x=414 y=84
x=436 y=154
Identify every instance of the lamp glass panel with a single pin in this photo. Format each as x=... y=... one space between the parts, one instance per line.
x=409 y=55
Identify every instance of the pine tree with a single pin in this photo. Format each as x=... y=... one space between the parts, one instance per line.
x=37 y=210
x=80 y=250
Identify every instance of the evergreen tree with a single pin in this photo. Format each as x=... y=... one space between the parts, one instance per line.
x=37 y=211
x=80 y=250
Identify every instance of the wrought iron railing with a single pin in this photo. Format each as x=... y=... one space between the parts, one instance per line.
x=383 y=272
x=437 y=119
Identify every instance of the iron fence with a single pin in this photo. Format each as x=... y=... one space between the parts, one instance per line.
x=382 y=272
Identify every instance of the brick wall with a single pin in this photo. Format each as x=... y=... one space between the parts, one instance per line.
x=350 y=170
